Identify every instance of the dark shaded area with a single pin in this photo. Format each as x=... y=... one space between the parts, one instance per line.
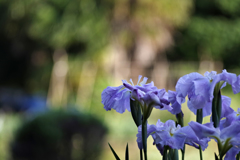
x=30 y=26
x=59 y=135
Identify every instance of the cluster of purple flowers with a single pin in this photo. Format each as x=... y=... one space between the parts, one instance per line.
x=203 y=94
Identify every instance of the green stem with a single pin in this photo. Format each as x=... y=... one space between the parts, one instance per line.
x=200 y=152
x=199 y=119
x=165 y=155
x=179 y=117
x=141 y=157
x=176 y=154
x=221 y=157
x=238 y=156
x=144 y=138
x=183 y=152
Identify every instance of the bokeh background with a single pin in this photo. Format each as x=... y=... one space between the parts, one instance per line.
x=57 y=56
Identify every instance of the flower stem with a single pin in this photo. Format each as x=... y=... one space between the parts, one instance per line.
x=199 y=119
x=183 y=152
x=238 y=156
x=144 y=138
x=200 y=152
x=141 y=156
x=165 y=153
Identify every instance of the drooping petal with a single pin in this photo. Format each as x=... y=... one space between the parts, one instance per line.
x=230 y=78
x=163 y=96
x=192 y=139
x=160 y=147
x=122 y=102
x=185 y=83
x=204 y=130
x=235 y=141
x=207 y=109
x=231 y=131
x=176 y=106
x=202 y=87
x=114 y=96
x=169 y=135
x=177 y=141
x=226 y=109
x=231 y=154
x=236 y=85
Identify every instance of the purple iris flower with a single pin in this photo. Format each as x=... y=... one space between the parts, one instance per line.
x=118 y=98
x=148 y=94
x=230 y=78
x=175 y=101
x=199 y=89
x=229 y=134
x=231 y=154
x=230 y=118
x=158 y=99
x=168 y=134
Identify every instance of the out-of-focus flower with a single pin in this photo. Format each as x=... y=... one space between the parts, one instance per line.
x=230 y=78
x=199 y=89
x=175 y=101
x=117 y=98
x=168 y=134
x=227 y=137
x=230 y=118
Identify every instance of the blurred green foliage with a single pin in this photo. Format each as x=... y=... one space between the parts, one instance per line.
x=213 y=32
x=57 y=23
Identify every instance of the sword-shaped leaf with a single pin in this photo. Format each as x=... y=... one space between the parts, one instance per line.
x=126 y=153
x=114 y=153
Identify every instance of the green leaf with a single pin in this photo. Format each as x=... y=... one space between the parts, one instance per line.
x=126 y=153
x=136 y=112
x=219 y=105
x=114 y=153
x=216 y=105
